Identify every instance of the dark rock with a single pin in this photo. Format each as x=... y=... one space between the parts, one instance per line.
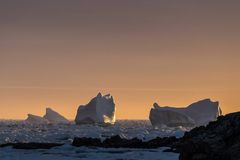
x=162 y=142
x=114 y=141
x=117 y=142
x=86 y=142
x=6 y=145
x=171 y=150
x=219 y=140
x=31 y=145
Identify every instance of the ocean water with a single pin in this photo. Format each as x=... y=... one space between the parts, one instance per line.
x=68 y=152
x=19 y=131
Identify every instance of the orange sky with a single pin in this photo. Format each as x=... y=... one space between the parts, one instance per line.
x=62 y=53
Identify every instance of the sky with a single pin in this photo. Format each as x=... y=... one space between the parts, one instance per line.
x=61 y=53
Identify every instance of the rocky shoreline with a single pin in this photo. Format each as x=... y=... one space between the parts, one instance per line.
x=118 y=142
x=219 y=140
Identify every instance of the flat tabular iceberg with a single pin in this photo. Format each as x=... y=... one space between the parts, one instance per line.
x=196 y=114
x=101 y=109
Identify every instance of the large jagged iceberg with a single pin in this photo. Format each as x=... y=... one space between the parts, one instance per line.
x=196 y=114
x=101 y=110
x=54 y=117
x=34 y=119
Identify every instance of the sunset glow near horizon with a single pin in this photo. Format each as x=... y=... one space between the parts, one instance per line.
x=60 y=54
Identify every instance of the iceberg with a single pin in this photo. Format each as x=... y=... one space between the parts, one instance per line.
x=101 y=110
x=51 y=116
x=54 y=117
x=36 y=119
x=196 y=114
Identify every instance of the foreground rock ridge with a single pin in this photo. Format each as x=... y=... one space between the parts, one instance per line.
x=100 y=109
x=219 y=140
x=196 y=114
x=118 y=142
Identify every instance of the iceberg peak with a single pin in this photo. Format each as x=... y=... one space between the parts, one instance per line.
x=54 y=117
x=99 y=95
x=155 y=105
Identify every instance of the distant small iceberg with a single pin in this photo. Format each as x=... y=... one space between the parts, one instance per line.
x=51 y=116
x=34 y=119
x=54 y=117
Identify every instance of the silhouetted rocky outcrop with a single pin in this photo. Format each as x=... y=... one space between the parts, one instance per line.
x=219 y=140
